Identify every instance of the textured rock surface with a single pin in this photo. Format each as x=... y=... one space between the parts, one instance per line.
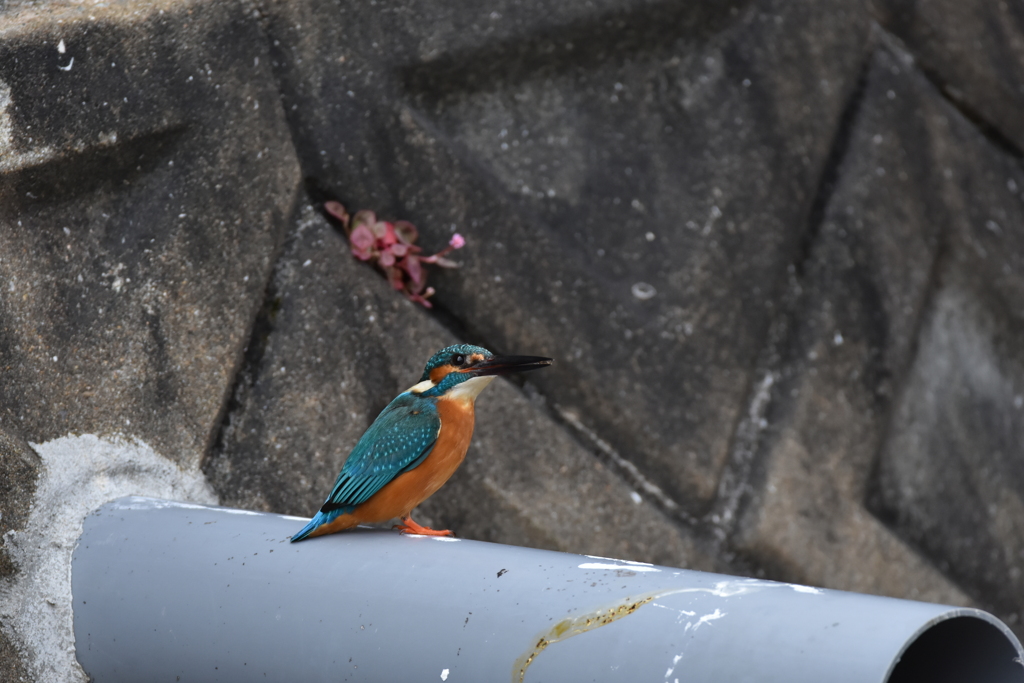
x=146 y=179
x=335 y=346
x=19 y=471
x=140 y=223
x=649 y=167
x=20 y=468
x=856 y=307
x=950 y=477
x=901 y=343
x=975 y=50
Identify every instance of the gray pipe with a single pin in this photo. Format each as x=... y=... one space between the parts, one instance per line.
x=174 y=592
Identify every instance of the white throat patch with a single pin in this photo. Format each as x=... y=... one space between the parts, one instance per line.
x=470 y=389
x=466 y=391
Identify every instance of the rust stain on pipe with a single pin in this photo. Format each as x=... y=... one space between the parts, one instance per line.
x=575 y=625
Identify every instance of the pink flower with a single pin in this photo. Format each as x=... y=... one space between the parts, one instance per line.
x=456 y=242
x=411 y=265
x=367 y=218
x=337 y=210
x=394 y=276
x=391 y=247
x=406 y=232
x=362 y=243
x=422 y=298
x=385 y=234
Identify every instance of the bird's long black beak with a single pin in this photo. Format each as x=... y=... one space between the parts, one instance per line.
x=504 y=365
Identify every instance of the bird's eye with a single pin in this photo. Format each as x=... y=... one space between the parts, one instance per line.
x=459 y=359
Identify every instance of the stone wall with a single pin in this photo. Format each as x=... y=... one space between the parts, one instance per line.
x=776 y=249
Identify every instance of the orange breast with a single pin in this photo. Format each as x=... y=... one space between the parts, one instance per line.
x=406 y=491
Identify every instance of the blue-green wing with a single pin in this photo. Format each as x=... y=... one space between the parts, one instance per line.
x=399 y=439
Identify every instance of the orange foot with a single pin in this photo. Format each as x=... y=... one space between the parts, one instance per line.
x=410 y=527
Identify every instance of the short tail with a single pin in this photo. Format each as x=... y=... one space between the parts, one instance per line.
x=318 y=521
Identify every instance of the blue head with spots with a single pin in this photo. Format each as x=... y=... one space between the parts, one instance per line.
x=446 y=367
x=453 y=365
x=457 y=356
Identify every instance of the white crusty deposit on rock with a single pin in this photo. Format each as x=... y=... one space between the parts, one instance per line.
x=79 y=474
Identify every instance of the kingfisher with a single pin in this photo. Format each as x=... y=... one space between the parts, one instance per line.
x=415 y=444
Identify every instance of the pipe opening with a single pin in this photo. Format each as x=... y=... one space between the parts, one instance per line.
x=961 y=649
